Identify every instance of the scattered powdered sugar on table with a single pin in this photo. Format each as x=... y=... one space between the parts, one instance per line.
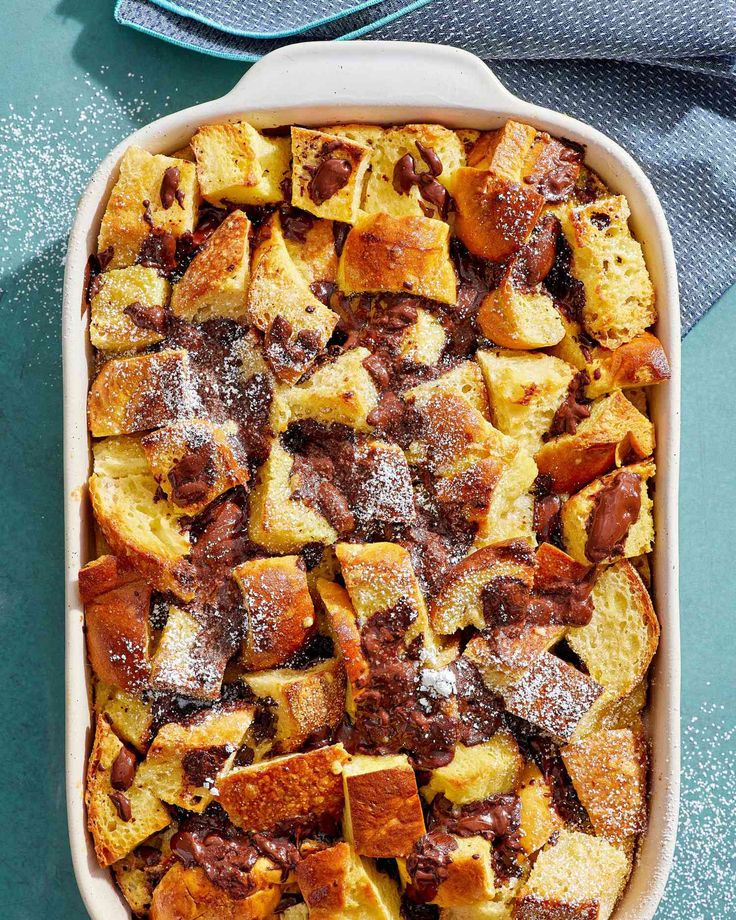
x=704 y=873
x=48 y=155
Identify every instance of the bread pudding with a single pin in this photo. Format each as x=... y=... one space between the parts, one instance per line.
x=368 y=614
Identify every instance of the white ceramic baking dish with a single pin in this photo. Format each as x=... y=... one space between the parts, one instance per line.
x=318 y=83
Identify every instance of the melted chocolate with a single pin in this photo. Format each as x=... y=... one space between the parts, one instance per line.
x=201 y=765
x=150 y=318
x=194 y=474
x=427 y=865
x=122 y=772
x=170 y=191
x=331 y=175
x=556 y=170
x=572 y=411
x=617 y=507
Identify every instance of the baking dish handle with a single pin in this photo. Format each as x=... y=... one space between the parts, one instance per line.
x=387 y=73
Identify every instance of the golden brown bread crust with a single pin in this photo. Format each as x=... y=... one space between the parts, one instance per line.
x=343 y=626
x=495 y=216
x=264 y=795
x=118 y=635
x=187 y=894
x=404 y=255
x=106 y=573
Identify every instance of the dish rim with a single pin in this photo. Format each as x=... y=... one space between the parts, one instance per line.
x=320 y=81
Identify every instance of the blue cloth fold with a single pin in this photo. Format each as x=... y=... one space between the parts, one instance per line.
x=658 y=76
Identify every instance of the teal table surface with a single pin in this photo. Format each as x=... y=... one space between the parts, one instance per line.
x=74 y=84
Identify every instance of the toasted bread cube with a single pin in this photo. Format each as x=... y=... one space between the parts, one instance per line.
x=343 y=627
x=135 y=206
x=263 y=795
x=104 y=574
x=520 y=318
x=510 y=513
x=137 y=874
x=296 y=912
x=486 y=910
x=609 y=772
x=191 y=655
x=424 y=341
x=116 y=626
x=117 y=829
x=503 y=654
x=578 y=869
x=464 y=381
x=553 y=696
x=341 y=392
x=525 y=391
x=378 y=576
x=188 y=894
x=313 y=252
x=504 y=152
x=130 y=715
x=619 y=643
x=237 y=164
x=139 y=393
x=477 y=772
x=619 y=297
x=641 y=362
x=495 y=215
x=383 y=813
x=404 y=255
x=185 y=761
x=338 y=885
x=110 y=327
x=470 y=877
x=577 y=511
x=194 y=462
x=614 y=433
x=459 y=601
x=280 y=303
x=539 y=819
x=279 y=522
x=216 y=281
x=382 y=194
x=309 y=701
x=280 y=610
x=328 y=173
x=367 y=135
x=145 y=531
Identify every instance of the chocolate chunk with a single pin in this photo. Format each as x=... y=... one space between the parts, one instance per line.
x=427 y=865
x=332 y=174
x=202 y=765
x=571 y=412
x=96 y=264
x=323 y=290
x=122 y=772
x=170 y=187
x=147 y=216
x=295 y=224
x=405 y=175
x=568 y=292
x=547 y=518
x=340 y=232
x=193 y=475
x=158 y=250
x=122 y=805
x=435 y=193
x=150 y=318
x=617 y=507
x=556 y=170
x=600 y=220
x=434 y=163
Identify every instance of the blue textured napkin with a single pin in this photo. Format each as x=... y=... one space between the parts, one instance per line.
x=659 y=76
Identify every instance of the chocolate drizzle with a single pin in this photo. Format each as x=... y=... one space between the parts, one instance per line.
x=616 y=508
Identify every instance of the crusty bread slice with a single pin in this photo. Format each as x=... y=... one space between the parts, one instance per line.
x=577 y=869
x=129 y=714
x=188 y=894
x=235 y=163
x=278 y=521
x=343 y=627
x=313 y=251
x=280 y=610
x=339 y=392
x=311 y=150
x=459 y=601
x=510 y=512
x=639 y=363
x=503 y=655
x=140 y=393
x=216 y=281
x=576 y=514
x=495 y=215
x=614 y=433
x=135 y=207
x=308 y=702
x=539 y=819
x=404 y=255
x=470 y=876
x=263 y=795
x=145 y=531
x=505 y=151
x=338 y=885
x=525 y=391
x=424 y=340
x=464 y=382
x=477 y=772
x=185 y=760
x=520 y=318
x=115 y=832
x=619 y=296
x=281 y=304
x=383 y=812
x=609 y=771
x=620 y=641
x=389 y=147
x=137 y=876
x=111 y=329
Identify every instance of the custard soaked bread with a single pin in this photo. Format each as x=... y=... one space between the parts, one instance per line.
x=369 y=623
